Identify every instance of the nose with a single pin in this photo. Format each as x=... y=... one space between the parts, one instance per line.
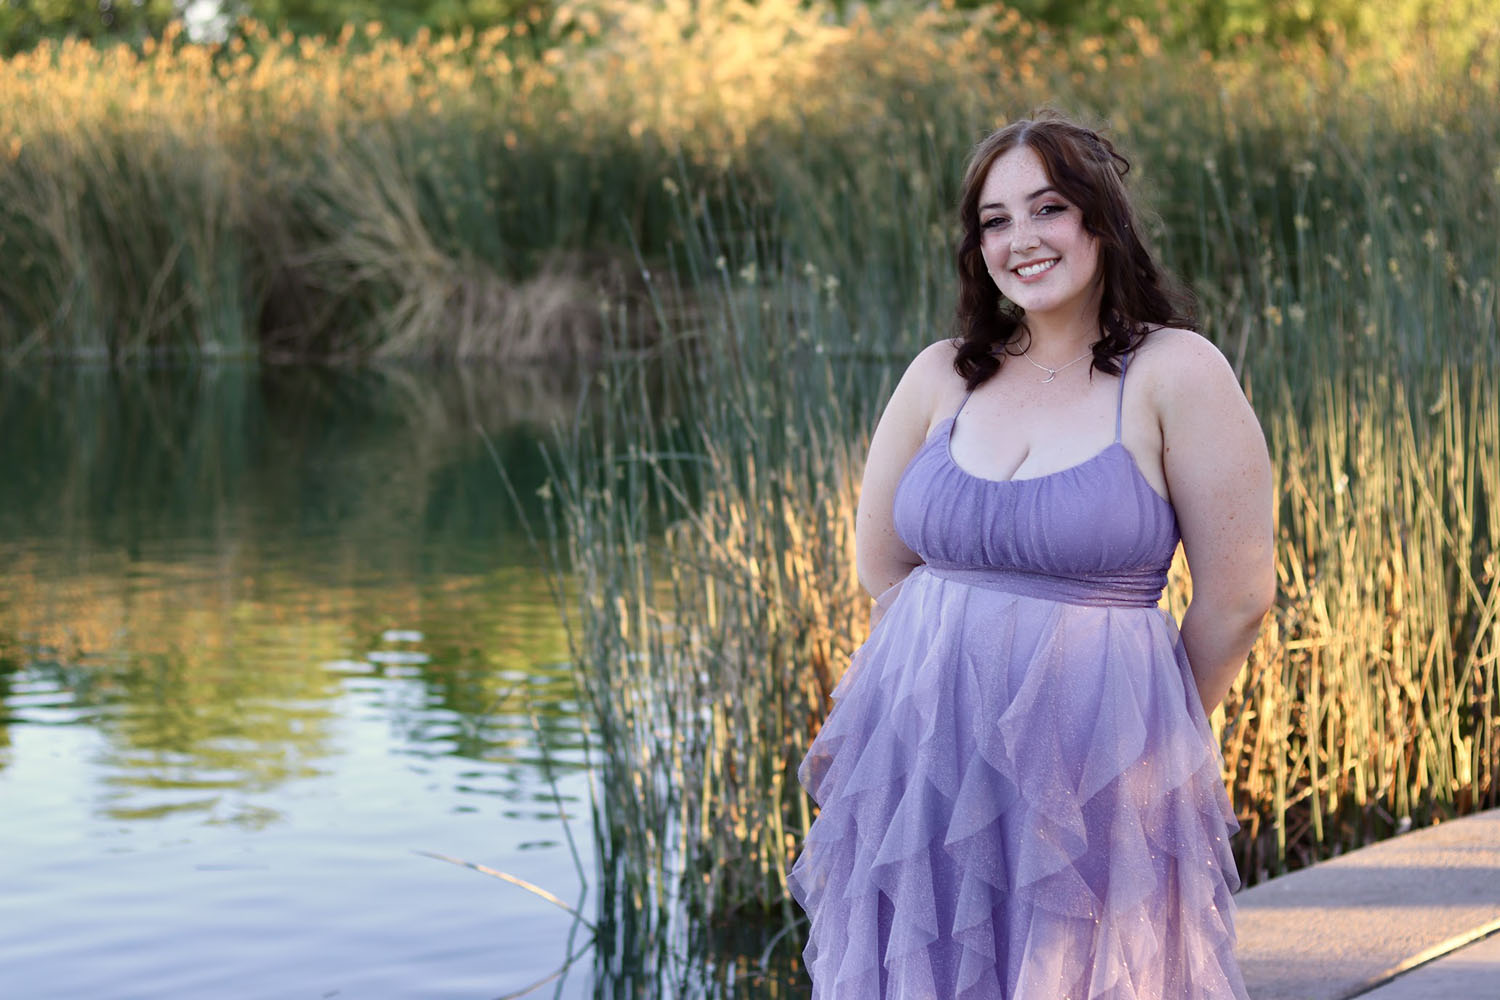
x=1023 y=237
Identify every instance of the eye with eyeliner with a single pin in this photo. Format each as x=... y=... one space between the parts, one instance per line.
x=1051 y=208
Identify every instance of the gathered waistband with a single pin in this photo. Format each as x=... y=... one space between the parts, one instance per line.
x=1140 y=589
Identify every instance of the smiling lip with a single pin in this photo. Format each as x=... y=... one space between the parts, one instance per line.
x=1051 y=261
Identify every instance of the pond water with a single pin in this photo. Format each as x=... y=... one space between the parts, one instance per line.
x=265 y=635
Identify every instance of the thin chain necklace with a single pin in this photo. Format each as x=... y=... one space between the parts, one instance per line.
x=1052 y=372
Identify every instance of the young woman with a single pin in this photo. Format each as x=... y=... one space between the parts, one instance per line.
x=1019 y=793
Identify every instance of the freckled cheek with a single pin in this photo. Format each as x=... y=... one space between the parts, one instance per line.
x=995 y=256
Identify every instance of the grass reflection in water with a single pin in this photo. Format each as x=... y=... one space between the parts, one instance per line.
x=277 y=628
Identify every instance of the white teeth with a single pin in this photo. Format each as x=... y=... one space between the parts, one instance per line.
x=1030 y=269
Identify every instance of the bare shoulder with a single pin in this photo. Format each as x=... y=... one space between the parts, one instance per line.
x=1169 y=347
x=1210 y=435
x=933 y=365
x=930 y=385
x=1182 y=368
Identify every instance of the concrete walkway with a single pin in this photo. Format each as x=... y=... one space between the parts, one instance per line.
x=1404 y=919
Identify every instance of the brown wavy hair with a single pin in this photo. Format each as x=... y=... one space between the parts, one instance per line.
x=1087 y=170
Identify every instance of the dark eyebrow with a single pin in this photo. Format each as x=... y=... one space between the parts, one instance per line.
x=1033 y=196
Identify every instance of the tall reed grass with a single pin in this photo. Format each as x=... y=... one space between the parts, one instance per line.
x=363 y=196
x=709 y=529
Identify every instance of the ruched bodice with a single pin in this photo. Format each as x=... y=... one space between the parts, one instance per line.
x=1094 y=533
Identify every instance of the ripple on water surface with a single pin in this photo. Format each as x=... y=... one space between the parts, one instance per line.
x=259 y=644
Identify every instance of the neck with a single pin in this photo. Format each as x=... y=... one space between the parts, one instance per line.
x=1059 y=339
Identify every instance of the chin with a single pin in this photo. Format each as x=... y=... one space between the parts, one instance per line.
x=1038 y=305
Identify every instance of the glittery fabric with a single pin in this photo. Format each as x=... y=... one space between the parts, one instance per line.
x=1019 y=793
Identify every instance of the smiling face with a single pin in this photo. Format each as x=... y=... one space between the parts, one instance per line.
x=1033 y=240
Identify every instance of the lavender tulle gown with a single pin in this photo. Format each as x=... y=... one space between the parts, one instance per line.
x=1019 y=793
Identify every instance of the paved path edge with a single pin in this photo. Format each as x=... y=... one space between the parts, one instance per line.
x=1346 y=926
x=1422 y=958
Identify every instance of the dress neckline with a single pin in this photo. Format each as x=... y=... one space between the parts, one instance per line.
x=944 y=438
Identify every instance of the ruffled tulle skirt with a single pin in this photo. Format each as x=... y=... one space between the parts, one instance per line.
x=1020 y=799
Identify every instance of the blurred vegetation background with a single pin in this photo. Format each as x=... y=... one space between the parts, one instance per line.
x=1216 y=25
x=24 y=23
x=367 y=193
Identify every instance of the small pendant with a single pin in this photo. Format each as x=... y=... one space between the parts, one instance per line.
x=1051 y=374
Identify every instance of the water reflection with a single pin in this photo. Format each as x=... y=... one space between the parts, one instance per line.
x=377 y=462
x=750 y=959
x=277 y=627
x=193 y=545
x=265 y=633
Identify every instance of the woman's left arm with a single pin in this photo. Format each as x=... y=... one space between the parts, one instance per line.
x=1219 y=478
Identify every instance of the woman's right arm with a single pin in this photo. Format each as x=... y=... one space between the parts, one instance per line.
x=881 y=558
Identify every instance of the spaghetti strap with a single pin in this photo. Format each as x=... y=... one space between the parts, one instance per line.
x=1119 y=403
x=954 y=418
